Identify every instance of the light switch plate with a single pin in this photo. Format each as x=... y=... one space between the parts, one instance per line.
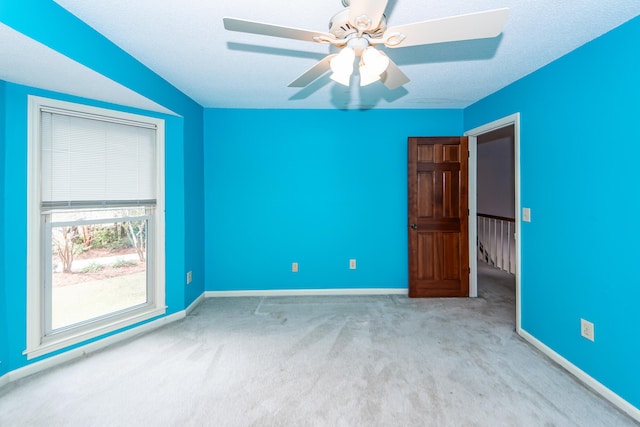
x=526 y=214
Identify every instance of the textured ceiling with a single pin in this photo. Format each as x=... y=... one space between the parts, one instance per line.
x=185 y=43
x=45 y=68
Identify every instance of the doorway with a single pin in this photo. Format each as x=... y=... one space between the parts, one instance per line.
x=474 y=135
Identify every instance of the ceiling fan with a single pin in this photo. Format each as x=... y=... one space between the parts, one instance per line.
x=360 y=27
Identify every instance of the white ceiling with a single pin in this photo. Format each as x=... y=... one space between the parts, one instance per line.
x=185 y=42
x=45 y=68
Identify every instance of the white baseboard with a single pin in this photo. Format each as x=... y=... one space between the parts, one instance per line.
x=194 y=304
x=88 y=348
x=307 y=292
x=583 y=377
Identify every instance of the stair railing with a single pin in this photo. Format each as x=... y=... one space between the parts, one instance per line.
x=497 y=242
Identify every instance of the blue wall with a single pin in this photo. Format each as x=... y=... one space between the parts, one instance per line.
x=3 y=301
x=579 y=153
x=313 y=187
x=42 y=21
x=192 y=168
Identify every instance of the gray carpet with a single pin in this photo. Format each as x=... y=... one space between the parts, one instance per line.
x=319 y=361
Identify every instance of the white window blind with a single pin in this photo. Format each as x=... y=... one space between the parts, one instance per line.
x=89 y=161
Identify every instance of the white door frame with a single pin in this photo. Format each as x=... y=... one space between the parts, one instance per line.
x=473 y=134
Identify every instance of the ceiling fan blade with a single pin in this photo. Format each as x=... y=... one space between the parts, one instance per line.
x=455 y=28
x=360 y=9
x=393 y=77
x=253 y=27
x=313 y=73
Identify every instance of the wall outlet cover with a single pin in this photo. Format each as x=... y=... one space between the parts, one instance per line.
x=587 y=329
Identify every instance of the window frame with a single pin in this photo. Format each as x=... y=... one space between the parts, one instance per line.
x=38 y=341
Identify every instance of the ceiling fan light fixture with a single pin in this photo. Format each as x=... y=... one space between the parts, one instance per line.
x=372 y=64
x=342 y=66
x=343 y=79
x=367 y=77
x=375 y=60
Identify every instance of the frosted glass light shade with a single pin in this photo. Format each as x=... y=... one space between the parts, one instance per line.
x=367 y=77
x=342 y=66
x=343 y=79
x=372 y=65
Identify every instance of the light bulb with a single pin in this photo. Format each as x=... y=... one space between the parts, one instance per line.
x=342 y=66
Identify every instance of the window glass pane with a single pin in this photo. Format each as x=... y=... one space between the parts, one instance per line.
x=98 y=264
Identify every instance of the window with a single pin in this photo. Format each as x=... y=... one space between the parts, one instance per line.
x=96 y=222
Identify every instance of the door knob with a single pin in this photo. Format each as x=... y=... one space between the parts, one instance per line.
x=414 y=226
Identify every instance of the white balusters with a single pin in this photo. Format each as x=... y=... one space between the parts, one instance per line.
x=496 y=242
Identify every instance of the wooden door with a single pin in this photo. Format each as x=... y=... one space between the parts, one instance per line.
x=438 y=217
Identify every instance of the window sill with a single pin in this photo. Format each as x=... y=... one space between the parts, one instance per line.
x=78 y=335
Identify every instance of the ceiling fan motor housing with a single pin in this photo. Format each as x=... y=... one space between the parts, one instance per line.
x=340 y=26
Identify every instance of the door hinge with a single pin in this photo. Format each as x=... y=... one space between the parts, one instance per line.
x=469 y=153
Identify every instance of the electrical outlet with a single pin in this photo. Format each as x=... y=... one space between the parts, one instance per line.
x=352 y=264
x=189 y=277
x=294 y=267
x=586 y=329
